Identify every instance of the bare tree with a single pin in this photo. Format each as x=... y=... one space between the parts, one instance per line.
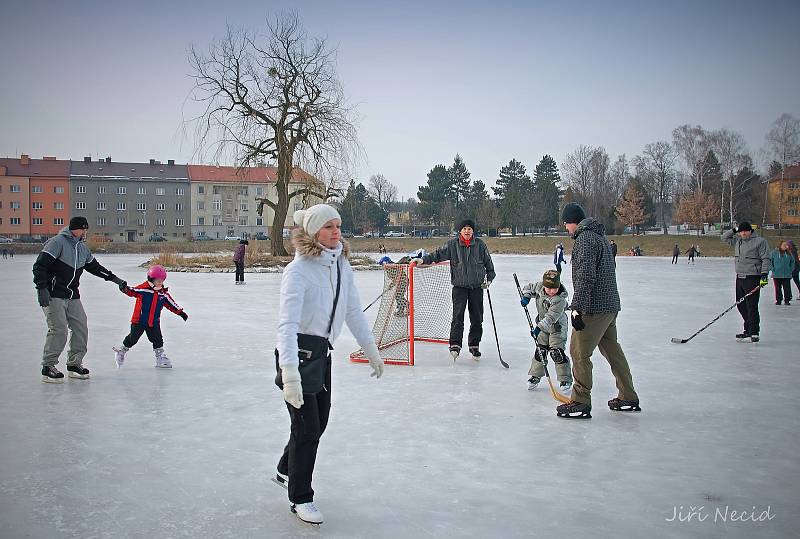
x=630 y=210
x=697 y=208
x=692 y=144
x=275 y=96
x=577 y=169
x=783 y=144
x=600 y=201
x=383 y=191
x=656 y=167
x=731 y=150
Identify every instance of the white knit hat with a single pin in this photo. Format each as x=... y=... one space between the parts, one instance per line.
x=315 y=217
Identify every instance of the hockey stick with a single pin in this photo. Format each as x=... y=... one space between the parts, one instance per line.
x=556 y=395
x=494 y=325
x=676 y=340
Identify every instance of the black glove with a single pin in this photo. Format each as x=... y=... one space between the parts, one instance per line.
x=116 y=280
x=44 y=297
x=122 y=285
x=183 y=315
x=577 y=321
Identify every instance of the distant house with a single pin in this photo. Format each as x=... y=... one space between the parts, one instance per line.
x=34 y=196
x=224 y=199
x=790 y=204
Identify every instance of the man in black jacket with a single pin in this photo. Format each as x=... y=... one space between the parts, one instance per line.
x=595 y=305
x=471 y=270
x=56 y=274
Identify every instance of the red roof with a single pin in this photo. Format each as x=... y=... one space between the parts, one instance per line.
x=35 y=168
x=212 y=173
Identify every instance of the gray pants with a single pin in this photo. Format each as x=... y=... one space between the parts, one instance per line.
x=61 y=315
x=560 y=360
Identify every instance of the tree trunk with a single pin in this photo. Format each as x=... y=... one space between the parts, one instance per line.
x=282 y=206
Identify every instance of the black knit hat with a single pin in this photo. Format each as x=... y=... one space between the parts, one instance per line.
x=744 y=226
x=78 y=223
x=466 y=222
x=551 y=279
x=572 y=213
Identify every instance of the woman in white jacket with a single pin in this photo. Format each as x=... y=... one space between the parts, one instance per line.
x=308 y=290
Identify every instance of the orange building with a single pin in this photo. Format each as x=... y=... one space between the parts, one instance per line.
x=789 y=202
x=34 y=196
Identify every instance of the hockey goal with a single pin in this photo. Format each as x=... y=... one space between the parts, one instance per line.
x=415 y=307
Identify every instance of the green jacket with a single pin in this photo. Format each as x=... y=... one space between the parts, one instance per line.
x=782 y=264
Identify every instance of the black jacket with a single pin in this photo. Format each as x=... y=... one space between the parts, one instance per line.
x=61 y=263
x=469 y=266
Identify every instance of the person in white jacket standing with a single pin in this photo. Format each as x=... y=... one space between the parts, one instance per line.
x=308 y=293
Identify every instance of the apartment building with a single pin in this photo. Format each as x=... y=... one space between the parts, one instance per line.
x=131 y=201
x=224 y=200
x=34 y=197
x=783 y=195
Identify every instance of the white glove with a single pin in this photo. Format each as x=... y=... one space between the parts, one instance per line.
x=416 y=261
x=292 y=388
x=375 y=359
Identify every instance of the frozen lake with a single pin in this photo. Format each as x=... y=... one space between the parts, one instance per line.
x=435 y=450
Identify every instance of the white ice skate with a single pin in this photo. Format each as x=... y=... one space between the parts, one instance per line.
x=281 y=480
x=454 y=351
x=162 y=361
x=119 y=355
x=476 y=353
x=533 y=382
x=564 y=387
x=307 y=512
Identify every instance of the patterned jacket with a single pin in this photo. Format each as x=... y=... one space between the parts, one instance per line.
x=149 y=303
x=594 y=275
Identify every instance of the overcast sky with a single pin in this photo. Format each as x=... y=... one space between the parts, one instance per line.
x=489 y=80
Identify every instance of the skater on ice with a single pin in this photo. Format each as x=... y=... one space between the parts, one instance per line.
x=471 y=271
x=318 y=295
x=558 y=257
x=752 y=264
x=692 y=251
x=595 y=306
x=550 y=331
x=238 y=260
x=151 y=297
x=57 y=274
x=782 y=265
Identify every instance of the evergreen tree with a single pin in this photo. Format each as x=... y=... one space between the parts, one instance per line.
x=476 y=195
x=433 y=196
x=513 y=191
x=459 y=182
x=545 y=193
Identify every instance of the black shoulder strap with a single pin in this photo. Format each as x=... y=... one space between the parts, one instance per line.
x=336 y=297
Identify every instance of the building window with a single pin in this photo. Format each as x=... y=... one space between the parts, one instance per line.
x=15 y=189
x=120 y=221
x=15 y=221
x=201 y=220
x=80 y=205
x=217 y=204
x=80 y=188
x=243 y=191
x=793 y=213
x=160 y=206
x=101 y=221
x=37 y=205
x=178 y=222
x=794 y=186
x=201 y=205
x=160 y=191
x=120 y=206
x=141 y=190
x=36 y=189
x=259 y=191
x=59 y=190
x=162 y=222
x=15 y=205
x=259 y=221
x=217 y=220
x=178 y=207
x=122 y=190
x=141 y=206
x=243 y=221
x=37 y=221
x=217 y=190
x=101 y=189
x=58 y=221
x=243 y=206
x=58 y=205
x=101 y=206
x=179 y=191
x=141 y=221
x=201 y=189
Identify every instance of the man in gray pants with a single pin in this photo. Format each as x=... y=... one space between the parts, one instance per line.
x=56 y=274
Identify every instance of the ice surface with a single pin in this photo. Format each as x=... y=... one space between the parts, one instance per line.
x=435 y=450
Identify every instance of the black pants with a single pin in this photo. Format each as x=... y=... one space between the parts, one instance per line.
x=749 y=307
x=796 y=279
x=239 y=271
x=300 y=454
x=154 y=334
x=558 y=267
x=691 y=259
x=471 y=298
x=783 y=289
x=674 y=259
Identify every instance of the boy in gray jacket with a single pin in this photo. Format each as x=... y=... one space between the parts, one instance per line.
x=753 y=263
x=550 y=331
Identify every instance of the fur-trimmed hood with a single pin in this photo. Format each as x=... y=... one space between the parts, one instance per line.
x=304 y=244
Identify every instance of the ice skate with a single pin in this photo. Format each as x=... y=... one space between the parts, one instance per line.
x=564 y=387
x=454 y=351
x=77 y=371
x=162 y=361
x=743 y=337
x=307 y=512
x=533 y=382
x=119 y=355
x=574 y=410
x=754 y=338
x=620 y=405
x=476 y=353
x=51 y=375
x=281 y=479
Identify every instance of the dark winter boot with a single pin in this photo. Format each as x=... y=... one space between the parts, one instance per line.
x=77 y=371
x=620 y=405
x=476 y=353
x=52 y=375
x=574 y=410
